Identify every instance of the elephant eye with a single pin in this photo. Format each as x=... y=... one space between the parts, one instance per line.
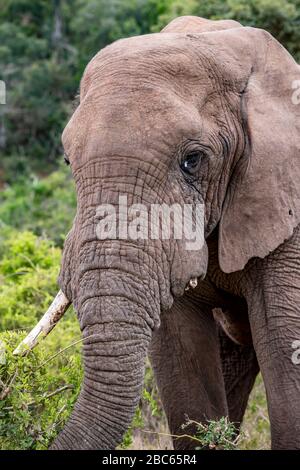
x=66 y=159
x=191 y=162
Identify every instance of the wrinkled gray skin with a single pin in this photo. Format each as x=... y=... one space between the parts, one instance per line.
x=145 y=104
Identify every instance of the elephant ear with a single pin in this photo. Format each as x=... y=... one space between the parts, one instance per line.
x=262 y=204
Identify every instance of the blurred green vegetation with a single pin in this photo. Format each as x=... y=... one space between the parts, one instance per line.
x=35 y=399
x=37 y=392
x=45 y=206
x=28 y=272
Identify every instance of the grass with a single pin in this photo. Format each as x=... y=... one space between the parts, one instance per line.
x=256 y=426
x=255 y=432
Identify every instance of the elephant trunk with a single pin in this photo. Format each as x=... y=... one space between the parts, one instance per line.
x=116 y=317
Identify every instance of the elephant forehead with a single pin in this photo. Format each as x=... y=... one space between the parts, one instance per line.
x=145 y=59
x=119 y=124
x=180 y=60
x=141 y=92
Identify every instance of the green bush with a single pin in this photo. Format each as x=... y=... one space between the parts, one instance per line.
x=45 y=206
x=215 y=435
x=37 y=392
x=28 y=271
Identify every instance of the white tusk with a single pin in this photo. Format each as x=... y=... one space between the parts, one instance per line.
x=193 y=282
x=54 y=313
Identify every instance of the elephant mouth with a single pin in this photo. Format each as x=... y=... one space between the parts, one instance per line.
x=46 y=324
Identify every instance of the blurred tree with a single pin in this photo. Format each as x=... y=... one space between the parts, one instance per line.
x=44 y=48
x=38 y=68
x=99 y=22
x=280 y=17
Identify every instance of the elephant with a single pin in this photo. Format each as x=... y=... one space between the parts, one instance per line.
x=199 y=113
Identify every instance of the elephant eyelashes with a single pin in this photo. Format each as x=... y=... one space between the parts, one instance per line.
x=67 y=161
x=191 y=162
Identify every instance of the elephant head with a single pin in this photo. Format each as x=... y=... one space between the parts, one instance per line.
x=198 y=115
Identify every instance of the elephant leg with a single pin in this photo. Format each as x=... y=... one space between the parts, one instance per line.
x=186 y=360
x=274 y=312
x=240 y=369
